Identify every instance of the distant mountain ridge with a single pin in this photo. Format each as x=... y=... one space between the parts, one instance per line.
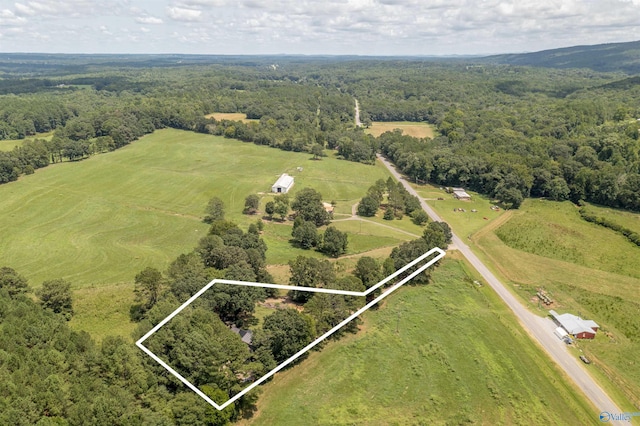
x=624 y=57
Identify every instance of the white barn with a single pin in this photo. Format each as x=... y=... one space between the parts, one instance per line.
x=283 y=184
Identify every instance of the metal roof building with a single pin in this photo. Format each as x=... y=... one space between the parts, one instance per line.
x=576 y=326
x=283 y=184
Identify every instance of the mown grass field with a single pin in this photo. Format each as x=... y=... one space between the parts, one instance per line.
x=446 y=353
x=463 y=223
x=587 y=270
x=410 y=128
x=233 y=116
x=100 y=221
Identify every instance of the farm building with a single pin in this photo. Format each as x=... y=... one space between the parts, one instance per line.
x=575 y=326
x=461 y=194
x=283 y=184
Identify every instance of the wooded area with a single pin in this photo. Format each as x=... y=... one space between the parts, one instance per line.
x=505 y=131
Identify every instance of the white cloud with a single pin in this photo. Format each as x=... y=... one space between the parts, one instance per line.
x=327 y=26
x=182 y=14
x=149 y=20
x=22 y=9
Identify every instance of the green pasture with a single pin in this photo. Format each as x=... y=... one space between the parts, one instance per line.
x=445 y=353
x=621 y=217
x=555 y=230
x=586 y=269
x=463 y=223
x=9 y=144
x=100 y=221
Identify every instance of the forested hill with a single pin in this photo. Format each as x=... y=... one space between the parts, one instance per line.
x=623 y=57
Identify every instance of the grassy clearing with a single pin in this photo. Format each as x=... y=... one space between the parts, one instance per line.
x=447 y=363
x=9 y=144
x=627 y=219
x=586 y=277
x=103 y=311
x=463 y=223
x=100 y=221
x=417 y=130
x=233 y=116
x=555 y=230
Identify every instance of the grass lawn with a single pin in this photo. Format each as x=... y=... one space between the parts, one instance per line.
x=100 y=221
x=410 y=128
x=446 y=353
x=588 y=270
x=463 y=223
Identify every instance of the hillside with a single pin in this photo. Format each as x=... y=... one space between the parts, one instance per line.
x=610 y=57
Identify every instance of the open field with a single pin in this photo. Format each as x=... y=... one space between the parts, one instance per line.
x=9 y=144
x=103 y=311
x=621 y=217
x=463 y=223
x=233 y=116
x=582 y=267
x=555 y=230
x=433 y=354
x=417 y=130
x=100 y=221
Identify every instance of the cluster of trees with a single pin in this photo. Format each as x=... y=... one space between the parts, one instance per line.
x=310 y=214
x=436 y=234
x=53 y=375
x=399 y=202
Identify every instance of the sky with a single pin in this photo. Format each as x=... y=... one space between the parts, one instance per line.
x=336 y=27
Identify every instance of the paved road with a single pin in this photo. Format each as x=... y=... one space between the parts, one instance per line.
x=541 y=329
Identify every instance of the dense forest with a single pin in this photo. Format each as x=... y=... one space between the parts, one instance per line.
x=510 y=132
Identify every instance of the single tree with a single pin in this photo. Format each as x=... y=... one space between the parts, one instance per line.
x=12 y=282
x=148 y=285
x=317 y=151
x=288 y=331
x=308 y=205
x=419 y=217
x=214 y=210
x=270 y=208
x=305 y=235
x=368 y=271
x=281 y=210
x=56 y=295
x=368 y=206
x=309 y=272
x=334 y=242
x=251 y=204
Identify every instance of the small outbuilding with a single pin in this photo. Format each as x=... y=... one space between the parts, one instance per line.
x=283 y=184
x=575 y=326
x=461 y=194
x=245 y=335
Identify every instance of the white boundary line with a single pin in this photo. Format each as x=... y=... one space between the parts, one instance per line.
x=439 y=256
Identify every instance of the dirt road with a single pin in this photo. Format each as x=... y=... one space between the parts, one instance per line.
x=540 y=329
x=358 y=122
